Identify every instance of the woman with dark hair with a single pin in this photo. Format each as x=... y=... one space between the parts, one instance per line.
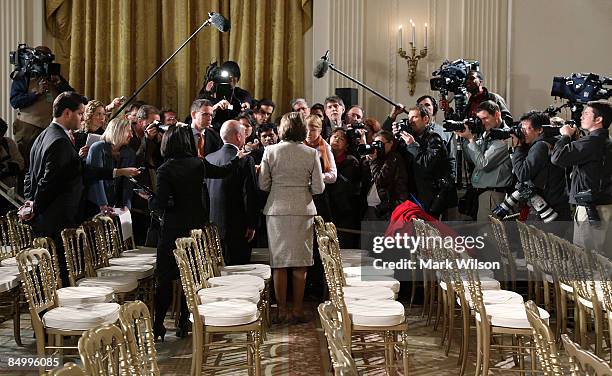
x=344 y=193
x=247 y=119
x=180 y=193
x=291 y=172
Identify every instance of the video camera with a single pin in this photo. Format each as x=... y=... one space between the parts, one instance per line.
x=450 y=77
x=579 y=89
x=351 y=133
x=33 y=62
x=222 y=81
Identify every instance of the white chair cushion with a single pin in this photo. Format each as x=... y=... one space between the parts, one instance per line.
x=118 y=284
x=8 y=282
x=134 y=271
x=228 y=313
x=240 y=292
x=589 y=303
x=259 y=270
x=367 y=270
x=521 y=263
x=132 y=260
x=353 y=253
x=566 y=287
x=9 y=270
x=12 y=261
x=511 y=315
x=496 y=297
x=375 y=312
x=237 y=279
x=72 y=296
x=368 y=293
x=142 y=251
x=388 y=282
x=357 y=261
x=81 y=317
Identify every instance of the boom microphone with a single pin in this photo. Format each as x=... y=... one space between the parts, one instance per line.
x=322 y=66
x=218 y=21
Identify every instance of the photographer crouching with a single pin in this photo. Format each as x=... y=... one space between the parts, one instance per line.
x=591 y=187
x=532 y=166
x=492 y=173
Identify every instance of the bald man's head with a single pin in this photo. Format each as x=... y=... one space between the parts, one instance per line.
x=232 y=132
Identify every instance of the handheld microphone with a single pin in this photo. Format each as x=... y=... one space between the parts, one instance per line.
x=218 y=21
x=322 y=66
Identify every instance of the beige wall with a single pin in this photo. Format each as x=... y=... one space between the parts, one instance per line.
x=521 y=45
x=556 y=38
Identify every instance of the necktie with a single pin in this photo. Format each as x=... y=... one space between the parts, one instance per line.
x=201 y=145
x=71 y=136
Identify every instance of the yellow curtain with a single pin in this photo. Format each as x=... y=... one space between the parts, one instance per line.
x=108 y=48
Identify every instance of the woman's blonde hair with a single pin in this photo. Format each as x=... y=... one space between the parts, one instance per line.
x=292 y=127
x=115 y=131
x=90 y=109
x=314 y=121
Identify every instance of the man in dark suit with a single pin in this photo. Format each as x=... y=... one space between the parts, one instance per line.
x=54 y=181
x=233 y=200
x=206 y=139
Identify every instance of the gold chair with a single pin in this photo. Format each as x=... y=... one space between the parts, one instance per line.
x=544 y=339
x=512 y=266
x=584 y=362
x=136 y=325
x=51 y=323
x=386 y=318
x=342 y=360
x=81 y=272
x=104 y=352
x=499 y=320
x=69 y=369
x=10 y=284
x=533 y=278
x=225 y=317
x=21 y=232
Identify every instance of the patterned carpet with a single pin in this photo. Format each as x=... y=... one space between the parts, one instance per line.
x=289 y=350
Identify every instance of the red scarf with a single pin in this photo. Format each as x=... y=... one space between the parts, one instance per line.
x=319 y=143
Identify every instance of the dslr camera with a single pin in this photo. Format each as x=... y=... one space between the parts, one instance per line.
x=33 y=62
x=474 y=125
x=525 y=192
x=161 y=128
x=365 y=149
x=352 y=134
x=586 y=199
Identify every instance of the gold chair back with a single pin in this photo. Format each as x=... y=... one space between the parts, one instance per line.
x=97 y=244
x=544 y=339
x=136 y=324
x=38 y=280
x=48 y=244
x=503 y=245
x=342 y=360
x=7 y=250
x=69 y=369
x=213 y=249
x=193 y=254
x=21 y=232
x=104 y=352
x=110 y=234
x=190 y=288
x=584 y=362
x=203 y=250
x=77 y=254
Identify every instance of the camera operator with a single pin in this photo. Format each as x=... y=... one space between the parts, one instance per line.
x=591 y=187
x=531 y=163
x=478 y=94
x=384 y=178
x=32 y=95
x=492 y=173
x=222 y=90
x=426 y=155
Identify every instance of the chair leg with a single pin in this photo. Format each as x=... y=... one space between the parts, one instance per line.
x=478 y=350
x=257 y=347
x=597 y=315
x=451 y=329
x=463 y=353
x=441 y=299
x=197 y=352
x=583 y=325
x=405 y=361
x=485 y=346
x=17 y=319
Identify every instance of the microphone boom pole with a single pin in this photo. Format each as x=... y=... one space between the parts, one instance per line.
x=131 y=98
x=384 y=98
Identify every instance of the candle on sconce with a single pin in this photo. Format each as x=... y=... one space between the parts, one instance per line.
x=413 y=34
x=400 y=37
x=425 y=35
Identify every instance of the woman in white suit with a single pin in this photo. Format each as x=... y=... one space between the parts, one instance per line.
x=291 y=172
